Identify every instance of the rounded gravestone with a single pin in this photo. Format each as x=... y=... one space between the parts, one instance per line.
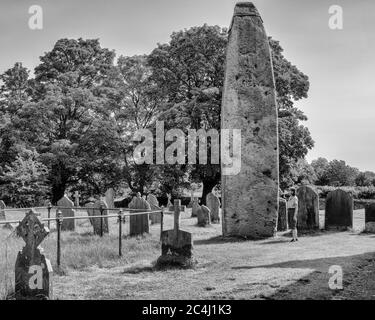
x=66 y=206
x=203 y=215
x=154 y=204
x=195 y=207
x=339 y=210
x=370 y=218
x=213 y=203
x=308 y=208
x=282 y=218
x=139 y=223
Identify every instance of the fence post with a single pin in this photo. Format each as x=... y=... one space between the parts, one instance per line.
x=101 y=219
x=161 y=221
x=59 y=219
x=49 y=214
x=120 y=233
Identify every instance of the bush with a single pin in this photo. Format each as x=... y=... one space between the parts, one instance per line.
x=356 y=192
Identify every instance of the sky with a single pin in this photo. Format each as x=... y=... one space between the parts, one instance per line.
x=339 y=63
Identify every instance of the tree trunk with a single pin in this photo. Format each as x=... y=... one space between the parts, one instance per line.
x=58 y=191
x=208 y=185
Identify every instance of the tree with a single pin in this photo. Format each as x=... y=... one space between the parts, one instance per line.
x=340 y=174
x=320 y=167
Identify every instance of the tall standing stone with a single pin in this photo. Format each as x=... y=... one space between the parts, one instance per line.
x=139 y=223
x=308 y=208
x=370 y=218
x=100 y=209
x=195 y=207
x=66 y=206
x=154 y=204
x=110 y=198
x=213 y=203
x=2 y=210
x=282 y=217
x=339 y=210
x=250 y=198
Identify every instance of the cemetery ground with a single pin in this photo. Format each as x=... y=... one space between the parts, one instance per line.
x=227 y=269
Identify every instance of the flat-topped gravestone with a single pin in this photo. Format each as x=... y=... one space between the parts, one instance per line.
x=282 y=219
x=370 y=218
x=66 y=206
x=308 y=208
x=195 y=207
x=154 y=204
x=250 y=190
x=33 y=272
x=139 y=223
x=110 y=198
x=339 y=210
x=204 y=216
x=176 y=244
x=2 y=210
x=213 y=203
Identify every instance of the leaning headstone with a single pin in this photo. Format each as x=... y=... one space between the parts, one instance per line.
x=250 y=187
x=67 y=211
x=176 y=245
x=110 y=198
x=154 y=204
x=213 y=203
x=308 y=208
x=203 y=215
x=282 y=218
x=139 y=223
x=339 y=210
x=195 y=207
x=2 y=210
x=33 y=272
x=370 y=218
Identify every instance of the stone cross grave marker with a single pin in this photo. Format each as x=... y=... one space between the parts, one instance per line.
x=67 y=211
x=2 y=210
x=176 y=244
x=33 y=271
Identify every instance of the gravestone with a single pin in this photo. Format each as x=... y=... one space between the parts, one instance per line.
x=190 y=205
x=33 y=272
x=213 y=203
x=176 y=244
x=339 y=210
x=169 y=204
x=110 y=198
x=76 y=198
x=139 y=224
x=308 y=208
x=250 y=192
x=67 y=211
x=370 y=218
x=2 y=210
x=282 y=219
x=195 y=207
x=204 y=216
x=154 y=204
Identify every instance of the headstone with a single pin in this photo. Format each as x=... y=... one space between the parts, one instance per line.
x=176 y=244
x=250 y=196
x=169 y=204
x=195 y=207
x=67 y=211
x=339 y=210
x=76 y=198
x=154 y=204
x=370 y=218
x=213 y=203
x=110 y=198
x=33 y=272
x=97 y=212
x=2 y=210
x=282 y=218
x=190 y=205
x=203 y=215
x=139 y=223
x=308 y=208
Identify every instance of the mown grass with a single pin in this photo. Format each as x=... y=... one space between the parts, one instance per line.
x=80 y=250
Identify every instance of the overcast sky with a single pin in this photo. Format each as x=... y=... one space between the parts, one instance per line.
x=339 y=63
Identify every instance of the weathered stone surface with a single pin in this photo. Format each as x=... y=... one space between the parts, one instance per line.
x=67 y=225
x=250 y=198
x=154 y=204
x=110 y=198
x=176 y=244
x=139 y=224
x=282 y=219
x=2 y=210
x=93 y=209
x=339 y=210
x=308 y=208
x=195 y=207
x=370 y=218
x=213 y=203
x=33 y=271
x=204 y=216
